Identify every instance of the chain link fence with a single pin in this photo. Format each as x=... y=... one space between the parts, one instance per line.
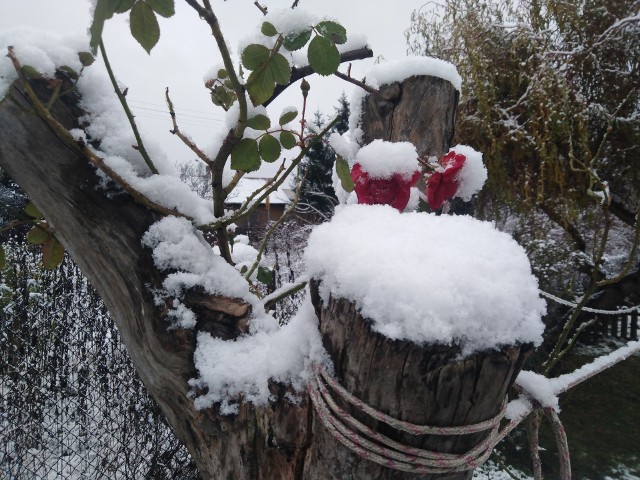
x=71 y=403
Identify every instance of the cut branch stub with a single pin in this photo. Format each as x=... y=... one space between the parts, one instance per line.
x=420 y=384
x=420 y=110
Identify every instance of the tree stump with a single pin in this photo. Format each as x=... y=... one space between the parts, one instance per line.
x=420 y=110
x=420 y=384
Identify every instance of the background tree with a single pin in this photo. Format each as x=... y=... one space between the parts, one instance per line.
x=551 y=96
x=316 y=169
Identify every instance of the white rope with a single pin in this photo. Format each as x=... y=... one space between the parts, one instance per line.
x=590 y=310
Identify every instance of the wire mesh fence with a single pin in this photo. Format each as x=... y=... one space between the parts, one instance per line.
x=71 y=403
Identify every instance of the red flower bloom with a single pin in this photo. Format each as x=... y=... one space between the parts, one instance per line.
x=392 y=191
x=441 y=186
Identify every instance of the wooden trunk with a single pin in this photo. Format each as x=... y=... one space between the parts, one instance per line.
x=420 y=384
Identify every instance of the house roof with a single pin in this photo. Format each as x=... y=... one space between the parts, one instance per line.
x=247 y=185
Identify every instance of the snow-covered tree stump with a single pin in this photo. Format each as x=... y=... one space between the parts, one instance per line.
x=419 y=384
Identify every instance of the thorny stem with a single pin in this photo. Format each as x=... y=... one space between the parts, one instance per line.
x=235 y=134
x=176 y=131
x=533 y=429
x=125 y=106
x=63 y=134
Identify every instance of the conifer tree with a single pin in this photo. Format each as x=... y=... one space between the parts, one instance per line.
x=317 y=195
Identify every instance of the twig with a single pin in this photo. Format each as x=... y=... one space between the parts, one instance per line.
x=360 y=84
x=534 y=444
x=176 y=131
x=234 y=136
x=125 y=106
x=272 y=300
x=262 y=8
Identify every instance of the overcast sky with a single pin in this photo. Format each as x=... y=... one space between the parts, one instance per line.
x=187 y=51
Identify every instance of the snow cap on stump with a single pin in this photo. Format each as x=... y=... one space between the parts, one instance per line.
x=427 y=278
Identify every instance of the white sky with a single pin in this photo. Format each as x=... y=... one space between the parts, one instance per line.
x=187 y=51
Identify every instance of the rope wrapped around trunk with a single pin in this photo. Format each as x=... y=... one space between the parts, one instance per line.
x=372 y=445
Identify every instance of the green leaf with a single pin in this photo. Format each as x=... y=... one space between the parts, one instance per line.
x=269 y=148
x=104 y=11
x=32 y=211
x=260 y=86
x=287 y=117
x=73 y=75
x=280 y=69
x=52 y=253
x=323 y=56
x=31 y=72
x=344 y=174
x=287 y=140
x=268 y=29
x=245 y=155
x=332 y=31
x=259 y=122
x=295 y=41
x=3 y=258
x=86 y=58
x=144 y=25
x=264 y=275
x=37 y=235
x=255 y=55
x=164 y=8
x=261 y=82
x=125 y=6
x=222 y=73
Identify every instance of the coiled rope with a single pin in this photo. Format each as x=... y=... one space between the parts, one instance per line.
x=372 y=445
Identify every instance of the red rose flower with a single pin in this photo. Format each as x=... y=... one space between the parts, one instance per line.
x=443 y=185
x=394 y=191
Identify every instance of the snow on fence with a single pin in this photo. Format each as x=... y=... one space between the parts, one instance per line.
x=71 y=404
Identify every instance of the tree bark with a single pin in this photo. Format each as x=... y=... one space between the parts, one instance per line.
x=103 y=232
x=420 y=110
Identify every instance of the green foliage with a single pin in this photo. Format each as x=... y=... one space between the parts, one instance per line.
x=142 y=19
x=164 y=8
x=144 y=25
x=287 y=117
x=296 y=41
x=245 y=156
x=267 y=71
x=344 y=174
x=3 y=258
x=33 y=211
x=52 y=253
x=31 y=72
x=86 y=58
x=104 y=10
x=269 y=148
x=287 y=140
x=265 y=275
x=259 y=122
x=268 y=29
x=323 y=56
x=332 y=31
x=38 y=235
